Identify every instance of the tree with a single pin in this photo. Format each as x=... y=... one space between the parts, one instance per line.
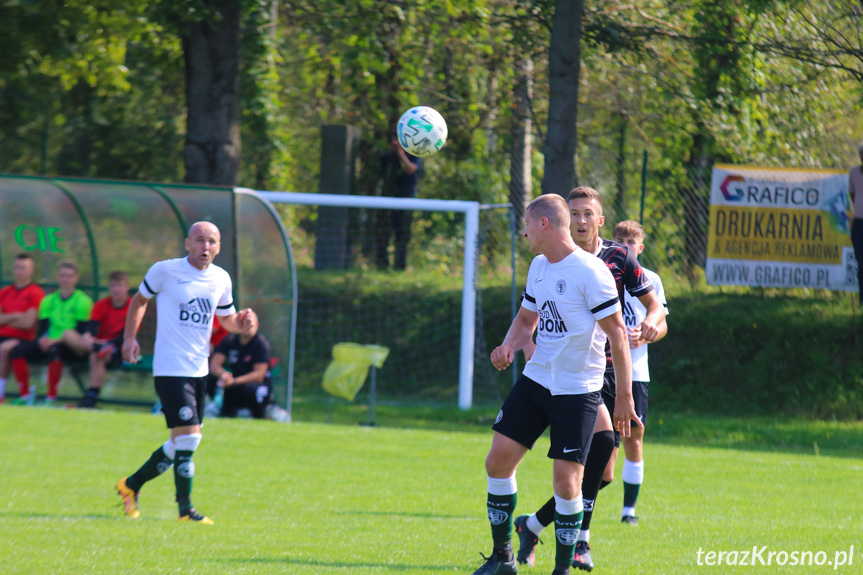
x=564 y=61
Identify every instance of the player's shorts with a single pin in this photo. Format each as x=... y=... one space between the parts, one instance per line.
x=116 y=359
x=639 y=395
x=252 y=396
x=182 y=399
x=609 y=391
x=32 y=353
x=530 y=408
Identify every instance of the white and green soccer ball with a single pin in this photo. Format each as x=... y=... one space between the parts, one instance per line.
x=422 y=131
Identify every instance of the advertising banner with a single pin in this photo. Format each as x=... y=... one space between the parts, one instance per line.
x=780 y=228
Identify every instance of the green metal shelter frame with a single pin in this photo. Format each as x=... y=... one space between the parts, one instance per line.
x=107 y=226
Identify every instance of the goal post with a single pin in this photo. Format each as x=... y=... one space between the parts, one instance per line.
x=471 y=211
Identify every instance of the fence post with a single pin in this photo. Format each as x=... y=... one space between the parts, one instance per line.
x=643 y=186
x=513 y=229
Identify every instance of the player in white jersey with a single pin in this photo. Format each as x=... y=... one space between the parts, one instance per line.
x=571 y=301
x=190 y=292
x=631 y=234
x=586 y=219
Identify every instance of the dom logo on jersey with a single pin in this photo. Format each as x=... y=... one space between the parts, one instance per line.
x=197 y=310
x=550 y=319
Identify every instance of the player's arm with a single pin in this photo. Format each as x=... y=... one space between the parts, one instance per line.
x=258 y=373
x=6 y=318
x=239 y=322
x=90 y=331
x=134 y=317
x=22 y=319
x=518 y=336
x=653 y=328
x=217 y=368
x=408 y=167
x=624 y=406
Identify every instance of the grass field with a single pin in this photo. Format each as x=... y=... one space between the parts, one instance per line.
x=312 y=498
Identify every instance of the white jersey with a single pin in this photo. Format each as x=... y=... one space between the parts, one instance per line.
x=187 y=299
x=569 y=296
x=634 y=313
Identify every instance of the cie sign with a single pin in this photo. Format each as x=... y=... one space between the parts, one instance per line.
x=31 y=238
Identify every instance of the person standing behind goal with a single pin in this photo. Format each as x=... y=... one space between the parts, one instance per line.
x=190 y=291
x=631 y=234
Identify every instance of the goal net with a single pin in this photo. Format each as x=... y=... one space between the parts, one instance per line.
x=408 y=274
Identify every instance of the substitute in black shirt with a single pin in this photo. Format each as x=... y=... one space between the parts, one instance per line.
x=241 y=364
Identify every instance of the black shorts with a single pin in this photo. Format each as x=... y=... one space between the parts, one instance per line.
x=182 y=400
x=609 y=392
x=252 y=396
x=31 y=352
x=116 y=359
x=530 y=408
x=639 y=395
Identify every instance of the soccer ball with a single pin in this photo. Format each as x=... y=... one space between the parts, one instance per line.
x=421 y=131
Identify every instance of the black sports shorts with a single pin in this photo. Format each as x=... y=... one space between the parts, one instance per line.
x=116 y=359
x=609 y=391
x=530 y=408
x=252 y=396
x=639 y=395
x=182 y=399
x=31 y=352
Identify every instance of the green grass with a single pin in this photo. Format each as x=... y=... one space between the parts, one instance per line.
x=312 y=498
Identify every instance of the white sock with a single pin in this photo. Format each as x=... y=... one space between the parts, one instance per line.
x=188 y=442
x=633 y=473
x=628 y=512
x=584 y=535
x=568 y=506
x=506 y=486
x=169 y=449
x=534 y=525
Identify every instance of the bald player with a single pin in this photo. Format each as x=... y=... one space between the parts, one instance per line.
x=191 y=291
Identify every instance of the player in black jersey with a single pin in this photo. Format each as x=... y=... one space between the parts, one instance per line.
x=585 y=206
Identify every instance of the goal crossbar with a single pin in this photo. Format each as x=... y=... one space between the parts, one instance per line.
x=468 y=300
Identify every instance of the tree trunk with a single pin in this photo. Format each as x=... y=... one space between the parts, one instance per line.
x=520 y=188
x=211 y=53
x=564 y=62
x=620 y=170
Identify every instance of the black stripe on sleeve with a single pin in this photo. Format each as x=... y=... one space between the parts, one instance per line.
x=605 y=305
x=529 y=298
x=226 y=306
x=642 y=292
x=149 y=289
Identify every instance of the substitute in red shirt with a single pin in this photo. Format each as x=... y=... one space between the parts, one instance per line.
x=19 y=310
x=105 y=335
x=19 y=302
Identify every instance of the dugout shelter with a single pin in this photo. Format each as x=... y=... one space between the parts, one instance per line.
x=107 y=226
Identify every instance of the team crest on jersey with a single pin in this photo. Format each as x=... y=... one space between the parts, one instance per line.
x=560 y=287
x=499 y=416
x=185 y=413
x=496 y=516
